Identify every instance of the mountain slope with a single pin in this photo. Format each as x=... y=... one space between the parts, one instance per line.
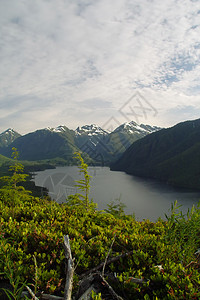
x=104 y=146
x=171 y=155
x=44 y=144
x=124 y=136
x=4 y=159
x=7 y=137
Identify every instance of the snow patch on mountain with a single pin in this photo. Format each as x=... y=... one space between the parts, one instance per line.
x=149 y=128
x=90 y=130
x=58 y=129
x=8 y=136
x=8 y=131
x=133 y=127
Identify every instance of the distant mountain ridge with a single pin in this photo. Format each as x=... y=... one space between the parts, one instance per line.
x=133 y=127
x=100 y=145
x=8 y=136
x=91 y=130
x=171 y=155
x=43 y=144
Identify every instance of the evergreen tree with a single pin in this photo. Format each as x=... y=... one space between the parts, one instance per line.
x=83 y=185
x=12 y=192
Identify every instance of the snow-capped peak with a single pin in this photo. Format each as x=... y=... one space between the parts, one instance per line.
x=60 y=128
x=90 y=130
x=133 y=127
x=8 y=136
x=150 y=128
x=9 y=131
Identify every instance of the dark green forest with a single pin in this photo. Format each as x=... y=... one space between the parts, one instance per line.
x=170 y=155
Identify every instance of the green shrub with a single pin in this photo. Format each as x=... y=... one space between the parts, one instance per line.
x=160 y=253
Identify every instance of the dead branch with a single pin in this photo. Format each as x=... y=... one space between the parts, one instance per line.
x=115 y=296
x=31 y=293
x=138 y=280
x=50 y=297
x=94 y=280
x=104 y=265
x=70 y=269
x=111 y=260
x=192 y=263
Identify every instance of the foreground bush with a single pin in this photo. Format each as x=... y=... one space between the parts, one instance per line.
x=163 y=257
x=163 y=253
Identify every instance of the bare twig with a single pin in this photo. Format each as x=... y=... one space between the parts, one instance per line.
x=192 y=263
x=50 y=297
x=138 y=280
x=96 y=278
x=108 y=255
x=115 y=296
x=31 y=293
x=112 y=292
x=111 y=260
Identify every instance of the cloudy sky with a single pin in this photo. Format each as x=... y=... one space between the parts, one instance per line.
x=77 y=62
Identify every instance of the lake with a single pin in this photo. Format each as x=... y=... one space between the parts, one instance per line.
x=147 y=199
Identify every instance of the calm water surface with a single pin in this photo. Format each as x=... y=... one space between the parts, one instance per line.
x=147 y=199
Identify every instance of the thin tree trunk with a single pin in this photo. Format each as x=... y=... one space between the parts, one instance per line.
x=69 y=269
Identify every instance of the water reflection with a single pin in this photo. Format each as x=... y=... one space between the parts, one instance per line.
x=147 y=199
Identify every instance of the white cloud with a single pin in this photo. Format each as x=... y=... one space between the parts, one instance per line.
x=57 y=55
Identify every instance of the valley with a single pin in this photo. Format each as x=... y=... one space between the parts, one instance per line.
x=170 y=155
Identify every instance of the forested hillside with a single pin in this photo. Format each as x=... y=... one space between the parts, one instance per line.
x=43 y=144
x=171 y=155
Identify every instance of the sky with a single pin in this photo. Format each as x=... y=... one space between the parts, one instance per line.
x=104 y=62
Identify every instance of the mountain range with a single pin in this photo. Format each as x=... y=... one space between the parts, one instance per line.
x=60 y=143
x=171 y=155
